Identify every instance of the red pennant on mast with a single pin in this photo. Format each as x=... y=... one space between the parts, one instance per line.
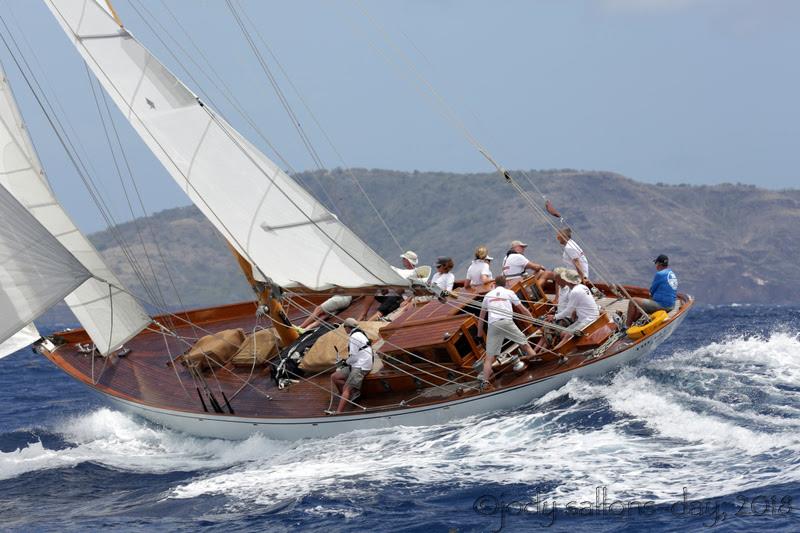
x=552 y=210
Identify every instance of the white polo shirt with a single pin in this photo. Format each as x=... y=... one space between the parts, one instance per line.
x=499 y=303
x=514 y=265
x=573 y=251
x=478 y=268
x=444 y=281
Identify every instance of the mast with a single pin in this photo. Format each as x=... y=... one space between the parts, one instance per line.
x=268 y=296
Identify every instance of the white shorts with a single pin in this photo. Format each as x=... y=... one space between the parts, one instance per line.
x=334 y=304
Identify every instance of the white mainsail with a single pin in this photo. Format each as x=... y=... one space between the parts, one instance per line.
x=110 y=316
x=36 y=271
x=261 y=211
x=24 y=337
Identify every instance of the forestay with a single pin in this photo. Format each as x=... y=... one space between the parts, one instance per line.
x=263 y=213
x=109 y=315
x=36 y=271
x=24 y=337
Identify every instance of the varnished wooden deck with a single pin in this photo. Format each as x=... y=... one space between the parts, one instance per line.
x=146 y=375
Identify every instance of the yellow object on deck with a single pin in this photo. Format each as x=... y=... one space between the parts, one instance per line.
x=637 y=332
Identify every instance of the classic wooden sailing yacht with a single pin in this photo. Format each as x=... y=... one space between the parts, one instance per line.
x=180 y=369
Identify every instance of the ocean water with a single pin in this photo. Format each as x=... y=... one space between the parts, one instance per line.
x=702 y=435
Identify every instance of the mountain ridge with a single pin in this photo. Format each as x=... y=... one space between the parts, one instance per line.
x=727 y=243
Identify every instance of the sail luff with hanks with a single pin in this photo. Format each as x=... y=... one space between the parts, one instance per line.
x=264 y=214
x=109 y=315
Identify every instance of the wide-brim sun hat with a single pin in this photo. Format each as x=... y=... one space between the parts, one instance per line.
x=571 y=276
x=411 y=257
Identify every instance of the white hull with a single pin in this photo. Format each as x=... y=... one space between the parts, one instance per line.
x=237 y=427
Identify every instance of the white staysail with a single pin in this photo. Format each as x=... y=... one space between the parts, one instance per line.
x=109 y=315
x=24 y=337
x=36 y=271
x=263 y=213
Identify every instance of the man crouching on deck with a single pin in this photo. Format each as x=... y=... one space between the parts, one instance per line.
x=348 y=378
x=499 y=303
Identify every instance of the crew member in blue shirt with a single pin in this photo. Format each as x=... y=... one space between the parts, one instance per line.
x=663 y=292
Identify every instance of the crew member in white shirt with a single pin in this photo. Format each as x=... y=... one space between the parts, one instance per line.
x=348 y=379
x=443 y=277
x=581 y=305
x=573 y=257
x=515 y=264
x=497 y=310
x=479 y=273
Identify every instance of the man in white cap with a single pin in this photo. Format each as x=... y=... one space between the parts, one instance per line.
x=515 y=264
x=348 y=378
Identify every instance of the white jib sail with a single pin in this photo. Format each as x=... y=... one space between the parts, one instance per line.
x=262 y=212
x=109 y=315
x=36 y=271
x=24 y=337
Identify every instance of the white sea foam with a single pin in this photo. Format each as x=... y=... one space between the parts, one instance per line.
x=656 y=435
x=690 y=441
x=121 y=442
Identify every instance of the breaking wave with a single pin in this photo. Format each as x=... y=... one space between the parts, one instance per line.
x=719 y=419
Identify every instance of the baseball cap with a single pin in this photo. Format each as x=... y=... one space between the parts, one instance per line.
x=661 y=260
x=518 y=243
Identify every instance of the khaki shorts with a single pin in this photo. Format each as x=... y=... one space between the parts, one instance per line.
x=334 y=304
x=355 y=376
x=651 y=306
x=499 y=331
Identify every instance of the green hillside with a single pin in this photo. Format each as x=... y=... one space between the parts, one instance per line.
x=728 y=243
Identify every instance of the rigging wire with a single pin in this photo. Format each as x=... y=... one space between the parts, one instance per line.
x=322 y=130
x=149 y=225
x=455 y=121
x=284 y=102
x=227 y=130
x=219 y=83
x=71 y=151
x=134 y=219
x=224 y=89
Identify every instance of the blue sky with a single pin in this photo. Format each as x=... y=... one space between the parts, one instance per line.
x=678 y=91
